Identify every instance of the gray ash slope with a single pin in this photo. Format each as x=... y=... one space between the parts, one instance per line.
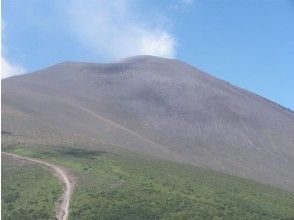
x=160 y=106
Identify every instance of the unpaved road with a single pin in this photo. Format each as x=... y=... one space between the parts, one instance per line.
x=62 y=174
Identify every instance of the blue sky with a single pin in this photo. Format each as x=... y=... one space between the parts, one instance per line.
x=246 y=42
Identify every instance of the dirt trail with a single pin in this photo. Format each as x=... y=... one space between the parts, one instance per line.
x=62 y=174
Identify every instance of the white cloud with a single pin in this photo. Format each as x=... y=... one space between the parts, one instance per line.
x=7 y=68
x=113 y=29
x=10 y=69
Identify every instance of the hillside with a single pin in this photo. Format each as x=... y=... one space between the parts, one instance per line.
x=27 y=191
x=159 y=106
x=121 y=184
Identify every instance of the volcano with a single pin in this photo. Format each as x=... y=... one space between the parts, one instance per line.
x=162 y=107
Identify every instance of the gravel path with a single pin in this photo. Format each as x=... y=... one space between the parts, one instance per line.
x=62 y=174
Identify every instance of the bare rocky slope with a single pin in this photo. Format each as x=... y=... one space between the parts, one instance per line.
x=163 y=107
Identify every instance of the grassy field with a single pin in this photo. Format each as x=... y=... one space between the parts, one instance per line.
x=128 y=185
x=28 y=191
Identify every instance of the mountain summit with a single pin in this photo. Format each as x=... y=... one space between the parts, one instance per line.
x=163 y=107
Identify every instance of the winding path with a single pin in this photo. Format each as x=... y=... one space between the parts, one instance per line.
x=63 y=206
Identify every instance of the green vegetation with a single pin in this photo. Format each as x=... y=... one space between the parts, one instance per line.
x=28 y=191
x=127 y=185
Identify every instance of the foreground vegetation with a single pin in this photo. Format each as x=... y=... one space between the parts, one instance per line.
x=127 y=185
x=28 y=191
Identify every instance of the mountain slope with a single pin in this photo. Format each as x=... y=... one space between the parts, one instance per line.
x=160 y=106
x=128 y=185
